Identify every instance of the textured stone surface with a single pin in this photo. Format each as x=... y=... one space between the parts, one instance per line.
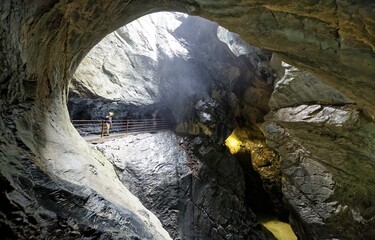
x=186 y=71
x=195 y=195
x=128 y=63
x=327 y=159
x=48 y=209
x=77 y=194
x=262 y=169
x=152 y=166
x=195 y=86
x=304 y=32
x=296 y=86
x=42 y=43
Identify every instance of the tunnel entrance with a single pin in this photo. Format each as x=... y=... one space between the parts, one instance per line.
x=196 y=83
x=327 y=140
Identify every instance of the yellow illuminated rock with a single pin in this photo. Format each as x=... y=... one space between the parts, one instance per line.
x=281 y=230
x=233 y=143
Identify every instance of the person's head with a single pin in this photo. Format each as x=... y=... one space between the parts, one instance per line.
x=110 y=114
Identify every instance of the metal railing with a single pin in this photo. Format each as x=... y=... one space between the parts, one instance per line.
x=97 y=127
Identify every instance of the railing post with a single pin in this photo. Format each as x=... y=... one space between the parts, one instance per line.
x=127 y=127
x=102 y=128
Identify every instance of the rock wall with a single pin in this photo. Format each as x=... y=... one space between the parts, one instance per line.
x=79 y=195
x=42 y=207
x=195 y=195
x=127 y=64
x=326 y=157
x=164 y=63
x=304 y=33
x=42 y=43
x=196 y=81
x=302 y=109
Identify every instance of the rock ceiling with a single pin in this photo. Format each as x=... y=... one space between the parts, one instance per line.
x=42 y=43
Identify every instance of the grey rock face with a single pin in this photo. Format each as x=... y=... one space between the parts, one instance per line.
x=125 y=64
x=296 y=87
x=83 y=196
x=151 y=166
x=185 y=69
x=34 y=205
x=42 y=43
x=195 y=198
x=323 y=148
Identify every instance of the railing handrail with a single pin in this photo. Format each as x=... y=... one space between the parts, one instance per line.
x=95 y=126
x=117 y=120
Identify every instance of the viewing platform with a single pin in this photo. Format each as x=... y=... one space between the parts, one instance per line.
x=93 y=131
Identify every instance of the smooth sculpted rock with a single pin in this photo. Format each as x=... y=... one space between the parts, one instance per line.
x=325 y=38
x=195 y=198
x=43 y=42
x=79 y=193
x=47 y=208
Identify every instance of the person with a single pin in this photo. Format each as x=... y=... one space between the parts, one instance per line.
x=154 y=115
x=107 y=123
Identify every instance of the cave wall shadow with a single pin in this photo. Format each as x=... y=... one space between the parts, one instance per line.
x=50 y=71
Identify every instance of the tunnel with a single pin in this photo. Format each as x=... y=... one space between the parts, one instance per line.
x=49 y=172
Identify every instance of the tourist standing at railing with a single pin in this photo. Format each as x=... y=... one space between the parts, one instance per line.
x=154 y=115
x=107 y=123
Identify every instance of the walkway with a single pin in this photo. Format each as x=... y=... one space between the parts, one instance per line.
x=93 y=130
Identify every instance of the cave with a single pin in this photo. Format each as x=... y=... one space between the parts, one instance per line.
x=186 y=78
x=318 y=121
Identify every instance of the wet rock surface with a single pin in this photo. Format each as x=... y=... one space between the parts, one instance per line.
x=130 y=63
x=82 y=198
x=187 y=71
x=196 y=190
x=295 y=87
x=323 y=148
x=46 y=209
x=42 y=43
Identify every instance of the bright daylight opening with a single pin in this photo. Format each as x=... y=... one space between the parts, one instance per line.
x=172 y=127
x=159 y=97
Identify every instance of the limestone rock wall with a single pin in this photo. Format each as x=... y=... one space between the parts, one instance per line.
x=124 y=65
x=334 y=40
x=196 y=195
x=305 y=33
x=42 y=43
x=173 y=67
x=326 y=157
x=38 y=206
x=76 y=195
x=203 y=79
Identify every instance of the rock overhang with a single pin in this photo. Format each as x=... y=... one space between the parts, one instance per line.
x=46 y=42
x=54 y=41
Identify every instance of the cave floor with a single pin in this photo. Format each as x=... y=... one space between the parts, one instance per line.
x=95 y=138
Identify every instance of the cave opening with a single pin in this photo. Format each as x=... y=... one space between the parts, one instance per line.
x=57 y=186
x=196 y=81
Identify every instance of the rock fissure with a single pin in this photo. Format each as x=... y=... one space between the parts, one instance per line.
x=43 y=42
